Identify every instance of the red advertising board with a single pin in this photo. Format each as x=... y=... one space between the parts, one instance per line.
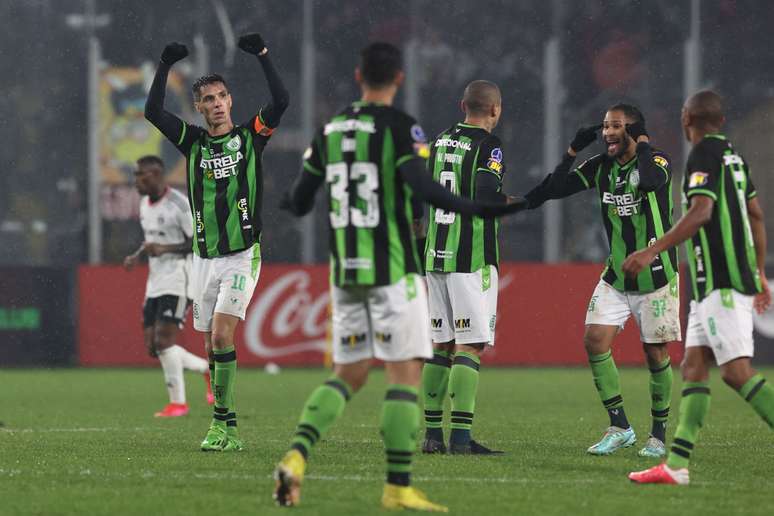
x=541 y=311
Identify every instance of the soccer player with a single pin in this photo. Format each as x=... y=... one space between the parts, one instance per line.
x=168 y=228
x=726 y=256
x=225 y=187
x=634 y=184
x=371 y=158
x=461 y=260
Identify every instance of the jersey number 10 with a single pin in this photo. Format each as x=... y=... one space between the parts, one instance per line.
x=365 y=178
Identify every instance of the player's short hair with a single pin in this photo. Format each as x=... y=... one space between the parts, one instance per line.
x=380 y=63
x=706 y=109
x=480 y=96
x=151 y=160
x=630 y=111
x=206 y=80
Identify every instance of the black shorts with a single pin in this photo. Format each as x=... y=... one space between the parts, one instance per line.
x=164 y=308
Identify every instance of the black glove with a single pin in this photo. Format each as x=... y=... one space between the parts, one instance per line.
x=585 y=137
x=252 y=43
x=636 y=130
x=173 y=53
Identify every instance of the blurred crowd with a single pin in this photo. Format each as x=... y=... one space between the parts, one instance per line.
x=611 y=51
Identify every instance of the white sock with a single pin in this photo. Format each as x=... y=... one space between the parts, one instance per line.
x=172 y=365
x=191 y=361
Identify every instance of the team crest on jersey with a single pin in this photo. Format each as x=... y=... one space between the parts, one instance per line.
x=634 y=178
x=234 y=144
x=660 y=161
x=697 y=179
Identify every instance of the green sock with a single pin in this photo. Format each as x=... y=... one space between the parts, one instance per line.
x=400 y=425
x=660 y=397
x=463 y=387
x=435 y=381
x=322 y=409
x=225 y=378
x=760 y=395
x=694 y=406
x=608 y=384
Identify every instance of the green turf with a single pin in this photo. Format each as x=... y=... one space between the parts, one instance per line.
x=85 y=442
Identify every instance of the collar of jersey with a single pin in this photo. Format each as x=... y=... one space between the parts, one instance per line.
x=218 y=139
x=715 y=135
x=463 y=124
x=627 y=164
x=359 y=103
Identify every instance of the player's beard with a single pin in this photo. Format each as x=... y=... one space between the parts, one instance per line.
x=623 y=147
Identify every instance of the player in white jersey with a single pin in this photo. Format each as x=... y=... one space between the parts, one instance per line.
x=168 y=228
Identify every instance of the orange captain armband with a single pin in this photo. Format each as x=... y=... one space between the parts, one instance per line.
x=261 y=128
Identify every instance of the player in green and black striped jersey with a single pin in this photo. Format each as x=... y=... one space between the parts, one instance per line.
x=371 y=159
x=461 y=260
x=634 y=184
x=726 y=241
x=225 y=187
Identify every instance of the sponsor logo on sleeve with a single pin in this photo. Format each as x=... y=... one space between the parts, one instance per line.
x=496 y=155
x=421 y=148
x=697 y=179
x=660 y=161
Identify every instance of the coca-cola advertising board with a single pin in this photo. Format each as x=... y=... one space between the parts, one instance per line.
x=541 y=312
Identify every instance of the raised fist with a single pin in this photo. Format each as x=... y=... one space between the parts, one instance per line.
x=173 y=53
x=252 y=44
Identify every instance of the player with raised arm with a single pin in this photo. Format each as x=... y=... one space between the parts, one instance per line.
x=634 y=183
x=461 y=260
x=225 y=189
x=168 y=229
x=726 y=246
x=371 y=158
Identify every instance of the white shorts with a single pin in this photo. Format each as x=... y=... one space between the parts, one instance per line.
x=723 y=322
x=463 y=306
x=389 y=322
x=224 y=284
x=657 y=313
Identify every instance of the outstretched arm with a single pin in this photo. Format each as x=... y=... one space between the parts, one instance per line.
x=699 y=214
x=414 y=173
x=169 y=125
x=272 y=112
x=558 y=184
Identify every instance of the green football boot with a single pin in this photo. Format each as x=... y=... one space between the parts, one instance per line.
x=233 y=442
x=215 y=439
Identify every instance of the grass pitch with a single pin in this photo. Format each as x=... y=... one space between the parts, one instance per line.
x=85 y=442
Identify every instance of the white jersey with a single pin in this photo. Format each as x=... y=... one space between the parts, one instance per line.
x=167 y=221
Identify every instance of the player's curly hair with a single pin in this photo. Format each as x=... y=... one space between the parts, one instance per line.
x=205 y=80
x=629 y=110
x=380 y=63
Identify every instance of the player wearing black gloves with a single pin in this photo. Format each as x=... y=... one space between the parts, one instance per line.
x=225 y=187
x=634 y=185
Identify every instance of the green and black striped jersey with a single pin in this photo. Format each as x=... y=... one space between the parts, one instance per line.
x=225 y=185
x=722 y=253
x=633 y=219
x=456 y=242
x=370 y=206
